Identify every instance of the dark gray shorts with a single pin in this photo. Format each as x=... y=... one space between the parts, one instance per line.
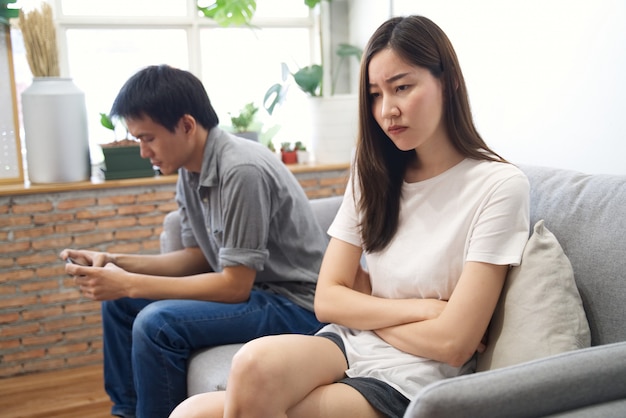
x=379 y=394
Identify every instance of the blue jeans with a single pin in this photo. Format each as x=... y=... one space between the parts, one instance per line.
x=147 y=343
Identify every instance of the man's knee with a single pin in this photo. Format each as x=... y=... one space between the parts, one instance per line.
x=151 y=322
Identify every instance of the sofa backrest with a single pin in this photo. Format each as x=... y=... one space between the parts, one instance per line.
x=325 y=210
x=587 y=214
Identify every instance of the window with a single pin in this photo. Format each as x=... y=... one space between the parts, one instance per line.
x=102 y=43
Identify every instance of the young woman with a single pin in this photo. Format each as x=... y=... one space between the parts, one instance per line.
x=440 y=218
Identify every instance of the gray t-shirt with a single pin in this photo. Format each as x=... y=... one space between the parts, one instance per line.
x=246 y=208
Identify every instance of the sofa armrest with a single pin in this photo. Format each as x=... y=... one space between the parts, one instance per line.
x=555 y=384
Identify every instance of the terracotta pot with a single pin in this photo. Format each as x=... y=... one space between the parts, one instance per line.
x=289 y=157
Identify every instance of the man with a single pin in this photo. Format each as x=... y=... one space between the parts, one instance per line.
x=252 y=249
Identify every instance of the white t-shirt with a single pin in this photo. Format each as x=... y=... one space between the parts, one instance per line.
x=475 y=211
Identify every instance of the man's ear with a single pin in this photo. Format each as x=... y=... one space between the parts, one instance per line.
x=188 y=123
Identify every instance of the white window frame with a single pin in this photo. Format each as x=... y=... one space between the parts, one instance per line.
x=191 y=23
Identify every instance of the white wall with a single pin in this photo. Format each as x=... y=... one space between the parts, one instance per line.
x=546 y=77
x=365 y=17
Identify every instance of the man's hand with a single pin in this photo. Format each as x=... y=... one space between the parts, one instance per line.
x=101 y=283
x=87 y=258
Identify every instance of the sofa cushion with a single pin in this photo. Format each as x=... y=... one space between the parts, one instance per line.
x=540 y=312
x=207 y=369
x=587 y=213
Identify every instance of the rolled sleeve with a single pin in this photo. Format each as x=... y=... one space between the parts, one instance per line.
x=245 y=211
x=254 y=259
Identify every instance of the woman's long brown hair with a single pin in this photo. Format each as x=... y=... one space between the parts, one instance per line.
x=380 y=165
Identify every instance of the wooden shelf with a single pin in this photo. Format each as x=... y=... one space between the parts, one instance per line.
x=26 y=188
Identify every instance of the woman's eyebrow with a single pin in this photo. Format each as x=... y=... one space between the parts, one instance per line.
x=391 y=79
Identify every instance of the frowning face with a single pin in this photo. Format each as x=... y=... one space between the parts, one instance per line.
x=407 y=101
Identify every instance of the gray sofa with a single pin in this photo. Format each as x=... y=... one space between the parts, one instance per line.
x=587 y=214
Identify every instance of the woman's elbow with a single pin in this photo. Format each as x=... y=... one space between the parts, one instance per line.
x=322 y=311
x=456 y=354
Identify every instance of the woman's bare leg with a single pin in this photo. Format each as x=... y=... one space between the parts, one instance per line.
x=270 y=375
x=204 y=405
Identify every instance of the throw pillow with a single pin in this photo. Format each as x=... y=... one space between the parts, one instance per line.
x=540 y=312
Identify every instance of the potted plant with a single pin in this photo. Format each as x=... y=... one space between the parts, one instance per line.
x=301 y=151
x=243 y=121
x=122 y=158
x=288 y=154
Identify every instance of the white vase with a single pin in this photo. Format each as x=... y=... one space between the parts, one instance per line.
x=55 y=131
x=334 y=127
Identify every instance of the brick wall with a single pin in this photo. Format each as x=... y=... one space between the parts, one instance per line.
x=45 y=324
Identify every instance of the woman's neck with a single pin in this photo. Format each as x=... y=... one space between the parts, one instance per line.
x=430 y=164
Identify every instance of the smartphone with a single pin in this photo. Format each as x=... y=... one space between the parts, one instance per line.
x=70 y=260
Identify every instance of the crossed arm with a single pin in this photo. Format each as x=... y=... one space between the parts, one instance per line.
x=447 y=331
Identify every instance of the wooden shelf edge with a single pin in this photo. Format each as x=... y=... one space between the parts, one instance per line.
x=25 y=188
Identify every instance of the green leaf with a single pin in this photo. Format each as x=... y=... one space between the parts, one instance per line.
x=311 y=3
x=347 y=50
x=242 y=121
x=105 y=121
x=266 y=136
x=230 y=12
x=273 y=97
x=7 y=13
x=309 y=79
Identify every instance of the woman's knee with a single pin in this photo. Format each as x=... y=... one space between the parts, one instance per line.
x=258 y=362
x=205 y=405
